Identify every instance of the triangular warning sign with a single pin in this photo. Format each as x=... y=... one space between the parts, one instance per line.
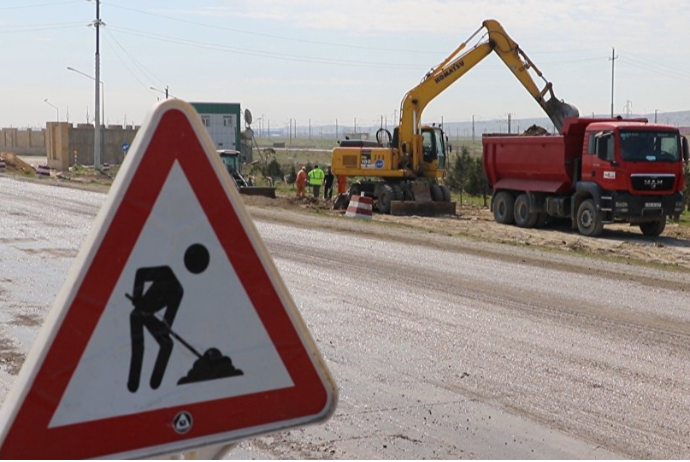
x=174 y=330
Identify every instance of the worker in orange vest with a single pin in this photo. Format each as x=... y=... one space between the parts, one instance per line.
x=301 y=181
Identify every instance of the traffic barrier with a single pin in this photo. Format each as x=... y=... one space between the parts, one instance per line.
x=3 y=165
x=360 y=207
x=42 y=171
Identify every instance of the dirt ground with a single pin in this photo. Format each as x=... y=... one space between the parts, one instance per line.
x=619 y=242
x=15 y=166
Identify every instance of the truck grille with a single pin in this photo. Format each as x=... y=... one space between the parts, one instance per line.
x=653 y=182
x=350 y=161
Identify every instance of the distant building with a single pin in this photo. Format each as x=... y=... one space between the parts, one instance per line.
x=223 y=120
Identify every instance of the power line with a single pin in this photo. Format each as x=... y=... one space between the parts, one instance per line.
x=147 y=72
x=117 y=54
x=280 y=37
x=39 y=27
x=37 y=5
x=2 y=26
x=266 y=54
x=649 y=62
x=657 y=70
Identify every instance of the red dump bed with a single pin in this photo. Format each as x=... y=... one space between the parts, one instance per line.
x=535 y=163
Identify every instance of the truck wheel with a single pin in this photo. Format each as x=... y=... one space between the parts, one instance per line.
x=386 y=195
x=588 y=219
x=653 y=228
x=355 y=189
x=542 y=219
x=446 y=193
x=398 y=194
x=524 y=217
x=436 y=193
x=503 y=208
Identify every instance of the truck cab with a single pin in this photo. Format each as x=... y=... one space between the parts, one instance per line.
x=638 y=167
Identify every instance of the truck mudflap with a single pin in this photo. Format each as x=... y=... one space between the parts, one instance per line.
x=266 y=191
x=424 y=209
x=645 y=208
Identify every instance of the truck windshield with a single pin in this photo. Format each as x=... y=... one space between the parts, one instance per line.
x=649 y=146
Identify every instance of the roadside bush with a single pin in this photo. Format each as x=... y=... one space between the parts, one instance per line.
x=466 y=175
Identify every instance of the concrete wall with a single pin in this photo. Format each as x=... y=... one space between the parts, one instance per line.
x=23 y=142
x=67 y=143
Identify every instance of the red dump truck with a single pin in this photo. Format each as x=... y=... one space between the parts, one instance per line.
x=598 y=171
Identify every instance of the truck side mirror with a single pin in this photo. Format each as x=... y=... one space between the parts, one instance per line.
x=686 y=153
x=604 y=146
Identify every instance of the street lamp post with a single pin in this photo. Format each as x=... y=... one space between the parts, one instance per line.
x=102 y=90
x=54 y=107
x=166 y=93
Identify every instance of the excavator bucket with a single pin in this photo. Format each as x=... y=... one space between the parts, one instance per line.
x=422 y=209
x=558 y=111
x=266 y=191
x=422 y=205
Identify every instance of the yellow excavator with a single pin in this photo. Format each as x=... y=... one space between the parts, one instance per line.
x=401 y=171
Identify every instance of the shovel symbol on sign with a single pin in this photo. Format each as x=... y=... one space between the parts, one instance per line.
x=165 y=292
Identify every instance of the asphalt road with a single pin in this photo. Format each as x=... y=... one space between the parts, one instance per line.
x=441 y=347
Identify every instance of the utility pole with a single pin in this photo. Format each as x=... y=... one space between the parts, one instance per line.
x=510 y=114
x=310 y=129
x=628 y=109
x=473 y=128
x=613 y=61
x=336 y=129
x=655 y=113
x=97 y=129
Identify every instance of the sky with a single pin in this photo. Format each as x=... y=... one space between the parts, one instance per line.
x=315 y=62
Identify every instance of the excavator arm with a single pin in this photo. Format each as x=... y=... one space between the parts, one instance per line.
x=455 y=66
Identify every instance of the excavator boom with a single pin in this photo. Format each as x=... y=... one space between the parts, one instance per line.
x=455 y=66
x=409 y=163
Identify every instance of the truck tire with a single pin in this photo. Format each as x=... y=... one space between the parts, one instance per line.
x=503 y=208
x=446 y=193
x=653 y=228
x=542 y=219
x=436 y=193
x=588 y=219
x=386 y=196
x=524 y=217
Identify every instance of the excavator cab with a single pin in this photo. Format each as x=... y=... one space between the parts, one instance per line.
x=231 y=160
x=434 y=147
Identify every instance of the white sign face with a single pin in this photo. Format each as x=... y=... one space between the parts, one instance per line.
x=99 y=388
x=173 y=330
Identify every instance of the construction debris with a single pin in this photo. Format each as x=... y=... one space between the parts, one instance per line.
x=535 y=130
